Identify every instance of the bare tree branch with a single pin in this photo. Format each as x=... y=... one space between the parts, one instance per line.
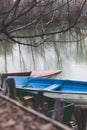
x=43 y=14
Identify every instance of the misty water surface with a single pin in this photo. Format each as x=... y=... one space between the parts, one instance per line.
x=70 y=57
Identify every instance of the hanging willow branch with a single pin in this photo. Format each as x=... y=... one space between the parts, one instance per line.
x=22 y=15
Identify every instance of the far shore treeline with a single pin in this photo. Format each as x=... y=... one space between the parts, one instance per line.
x=54 y=10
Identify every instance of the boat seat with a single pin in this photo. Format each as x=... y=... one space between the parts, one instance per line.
x=53 y=87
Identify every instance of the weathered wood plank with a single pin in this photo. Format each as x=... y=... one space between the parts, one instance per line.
x=14 y=112
x=80 y=112
x=58 y=110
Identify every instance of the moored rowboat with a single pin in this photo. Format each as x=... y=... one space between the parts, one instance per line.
x=67 y=90
x=35 y=73
x=30 y=86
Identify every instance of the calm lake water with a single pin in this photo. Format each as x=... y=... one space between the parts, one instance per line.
x=70 y=57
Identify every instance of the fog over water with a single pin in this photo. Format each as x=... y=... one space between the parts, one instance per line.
x=70 y=57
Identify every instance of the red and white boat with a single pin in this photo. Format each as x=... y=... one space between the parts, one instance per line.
x=35 y=73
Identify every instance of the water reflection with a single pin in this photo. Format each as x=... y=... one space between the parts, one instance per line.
x=70 y=57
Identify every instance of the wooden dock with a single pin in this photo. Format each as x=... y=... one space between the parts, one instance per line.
x=14 y=116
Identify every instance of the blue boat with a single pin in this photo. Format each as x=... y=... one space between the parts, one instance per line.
x=67 y=90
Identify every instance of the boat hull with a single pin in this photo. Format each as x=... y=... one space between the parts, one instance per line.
x=34 y=73
x=67 y=90
x=77 y=98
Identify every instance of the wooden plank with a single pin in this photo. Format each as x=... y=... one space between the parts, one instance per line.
x=58 y=110
x=10 y=88
x=80 y=112
x=39 y=102
x=27 y=112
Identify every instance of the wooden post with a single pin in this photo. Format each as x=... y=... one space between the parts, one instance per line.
x=58 y=110
x=80 y=112
x=2 y=78
x=10 y=88
x=39 y=102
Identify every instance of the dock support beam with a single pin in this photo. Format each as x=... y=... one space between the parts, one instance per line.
x=8 y=87
x=40 y=104
x=80 y=112
x=58 y=110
